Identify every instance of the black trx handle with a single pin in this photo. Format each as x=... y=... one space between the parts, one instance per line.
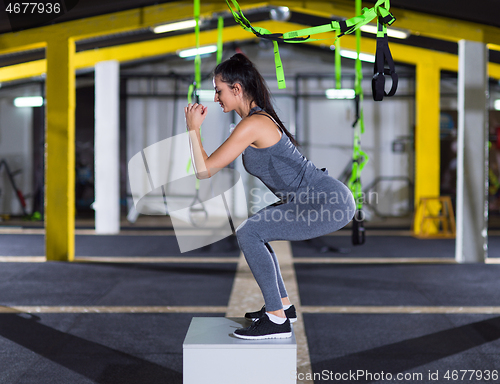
x=344 y=29
x=383 y=55
x=279 y=37
x=193 y=91
x=358 y=228
x=356 y=113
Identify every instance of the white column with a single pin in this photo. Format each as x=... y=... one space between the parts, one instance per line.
x=471 y=244
x=107 y=153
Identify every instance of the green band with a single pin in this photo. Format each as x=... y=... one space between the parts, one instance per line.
x=359 y=158
x=338 y=63
x=381 y=8
x=197 y=60
x=193 y=88
x=190 y=93
x=280 y=73
x=220 y=28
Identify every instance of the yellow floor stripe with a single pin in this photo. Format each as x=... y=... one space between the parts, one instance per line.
x=160 y=232
x=366 y=310
x=493 y=260
x=173 y=259
x=138 y=232
x=296 y=260
x=22 y=259
x=118 y=259
x=373 y=260
x=21 y=231
x=400 y=309
x=112 y=309
x=171 y=232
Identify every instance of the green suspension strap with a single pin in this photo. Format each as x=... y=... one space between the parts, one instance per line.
x=260 y=32
x=195 y=86
x=380 y=10
x=197 y=59
x=194 y=90
x=338 y=63
x=220 y=28
x=359 y=158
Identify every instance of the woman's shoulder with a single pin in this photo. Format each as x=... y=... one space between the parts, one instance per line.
x=267 y=132
x=262 y=118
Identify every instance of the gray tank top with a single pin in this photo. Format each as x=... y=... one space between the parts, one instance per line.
x=281 y=167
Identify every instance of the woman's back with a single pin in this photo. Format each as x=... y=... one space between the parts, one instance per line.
x=281 y=167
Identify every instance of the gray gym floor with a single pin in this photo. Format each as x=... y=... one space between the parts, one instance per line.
x=119 y=313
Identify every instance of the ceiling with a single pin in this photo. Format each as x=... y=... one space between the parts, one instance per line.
x=483 y=11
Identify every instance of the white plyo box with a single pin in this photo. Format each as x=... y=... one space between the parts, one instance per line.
x=212 y=354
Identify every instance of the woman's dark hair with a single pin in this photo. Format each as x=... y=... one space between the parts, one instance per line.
x=239 y=69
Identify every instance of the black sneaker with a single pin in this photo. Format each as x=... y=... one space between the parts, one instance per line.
x=264 y=328
x=290 y=313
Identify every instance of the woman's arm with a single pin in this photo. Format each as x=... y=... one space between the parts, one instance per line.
x=195 y=115
x=206 y=166
x=198 y=154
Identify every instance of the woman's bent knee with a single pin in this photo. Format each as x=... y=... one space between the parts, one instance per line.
x=246 y=231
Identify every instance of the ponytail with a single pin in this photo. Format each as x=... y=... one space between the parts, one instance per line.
x=239 y=69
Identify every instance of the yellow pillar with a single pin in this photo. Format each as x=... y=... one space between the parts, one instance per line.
x=427 y=141
x=60 y=150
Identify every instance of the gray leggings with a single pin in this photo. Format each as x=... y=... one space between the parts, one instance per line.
x=311 y=212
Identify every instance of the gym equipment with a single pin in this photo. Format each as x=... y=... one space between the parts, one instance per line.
x=380 y=11
x=435 y=217
x=383 y=55
x=197 y=205
x=220 y=29
x=194 y=90
x=359 y=158
x=211 y=354
x=10 y=175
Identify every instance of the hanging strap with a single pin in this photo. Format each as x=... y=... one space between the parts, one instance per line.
x=338 y=65
x=380 y=9
x=359 y=157
x=358 y=228
x=303 y=35
x=220 y=28
x=195 y=86
x=383 y=55
x=197 y=60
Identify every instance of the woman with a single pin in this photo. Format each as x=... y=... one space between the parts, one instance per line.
x=312 y=203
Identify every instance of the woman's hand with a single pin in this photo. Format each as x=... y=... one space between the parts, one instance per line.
x=195 y=114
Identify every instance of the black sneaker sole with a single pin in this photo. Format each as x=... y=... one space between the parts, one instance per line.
x=283 y=335
x=292 y=320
